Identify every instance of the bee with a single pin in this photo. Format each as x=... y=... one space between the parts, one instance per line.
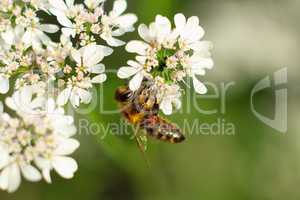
x=141 y=109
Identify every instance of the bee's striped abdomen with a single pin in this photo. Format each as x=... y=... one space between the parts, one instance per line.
x=159 y=128
x=140 y=108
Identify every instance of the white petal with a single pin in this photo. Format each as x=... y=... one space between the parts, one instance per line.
x=144 y=33
x=19 y=31
x=141 y=59
x=204 y=63
x=97 y=69
x=41 y=37
x=125 y=72
x=4 y=85
x=37 y=102
x=127 y=21
x=192 y=31
x=8 y=36
x=92 y=55
x=14 y=178
x=198 y=70
x=135 y=64
x=44 y=165
x=65 y=166
x=63 y=20
x=193 y=21
x=70 y=3
x=163 y=24
x=180 y=21
x=92 y=4
x=166 y=107
x=118 y=32
x=202 y=46
x=114 y=42
x=77 y=55
x=26 y=95
x=99 y=79
x=30 y=173
x=69 y=32
x=67 y=131
x=49 y=28
x=4 y=179
x=85 y=96
x=66 y=147
x=27 y=37
x=74 y=99
x=58 y=4
x=177 y=103
x=106 y=50
x=4 y=156
x=119 y=7
x=200 y=88
x=46 y=175
x=64 y=96
x=50 y=106
x=136 y=81
x=136 y=46
x=11 y=103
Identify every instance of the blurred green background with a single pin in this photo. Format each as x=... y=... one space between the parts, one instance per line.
x=252 y=39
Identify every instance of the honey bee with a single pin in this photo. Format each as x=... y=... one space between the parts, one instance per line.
x=140 y=108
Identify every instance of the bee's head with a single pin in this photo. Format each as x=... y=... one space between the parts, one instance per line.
x=123 y=94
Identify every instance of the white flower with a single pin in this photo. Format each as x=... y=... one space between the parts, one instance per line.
x=61 y=10
x=197 y=65
x=93 y=23
x=167 y=56
x=75 y=94
x=134 y=69
x=87 y=59
x=153 y=36
x=25 y=102
x=35 y=36
x=189 y=30
x=59 y=160
x=169 y=97
x=172 y=54
x=13 y=36
x=63 y=129
x=62 y=124
x=121 y=23
x=41 y=138
x=10 y=177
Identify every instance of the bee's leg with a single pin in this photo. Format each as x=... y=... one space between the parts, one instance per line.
x=140 y=144
x=137 y=139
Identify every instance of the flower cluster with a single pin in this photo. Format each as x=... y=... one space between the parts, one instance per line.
x=43 y=66
x=35 y=142
x=22 y=37
x=73 y=64
x=167 y=56
x=89 y=23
